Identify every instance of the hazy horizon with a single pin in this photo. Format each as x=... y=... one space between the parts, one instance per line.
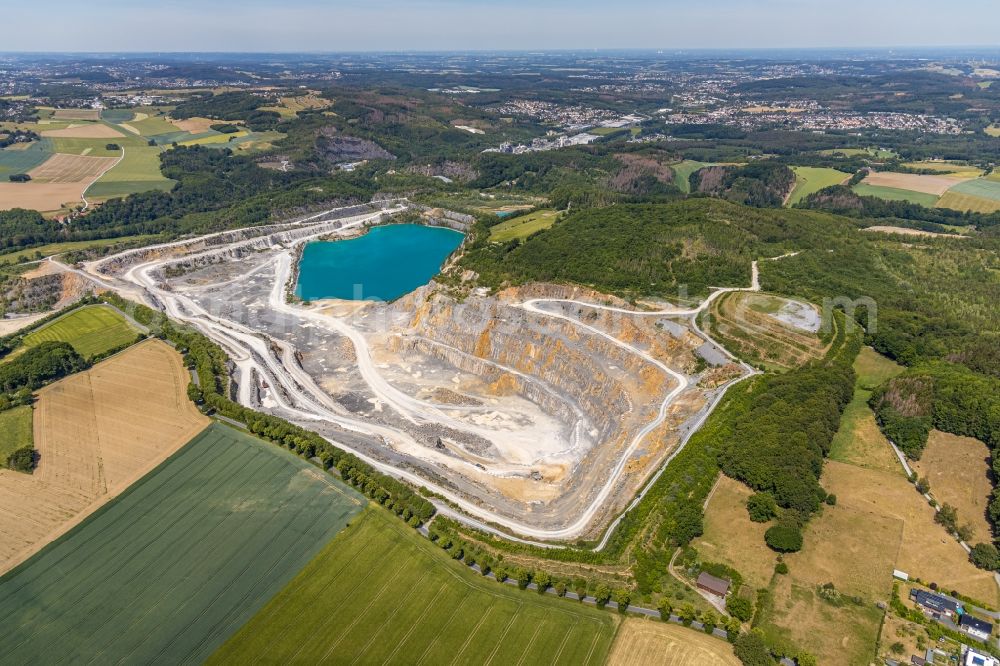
x=313 y=26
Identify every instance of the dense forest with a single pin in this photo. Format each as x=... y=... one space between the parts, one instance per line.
x=760 y=184
x=652 y=250
x=237 y=105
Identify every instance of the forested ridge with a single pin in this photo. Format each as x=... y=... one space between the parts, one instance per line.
x=652 y=249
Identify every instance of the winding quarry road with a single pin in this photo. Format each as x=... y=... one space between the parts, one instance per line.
x=253 y=352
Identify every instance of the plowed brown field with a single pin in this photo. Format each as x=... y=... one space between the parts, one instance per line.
x=96 y=433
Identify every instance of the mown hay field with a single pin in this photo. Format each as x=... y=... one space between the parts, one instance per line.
x=91 y=330
x=959 y=471
x=381 y=593
x=173 y=567
x=809 y=180
x=858 y=440
x=15 y=431
x=643 y=641
x=57 y=183
x=95 y=433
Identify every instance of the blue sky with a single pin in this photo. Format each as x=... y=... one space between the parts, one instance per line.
x=357 y=25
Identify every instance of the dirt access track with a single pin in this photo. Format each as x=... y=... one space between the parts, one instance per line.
x=541 y=410
x=96 y=433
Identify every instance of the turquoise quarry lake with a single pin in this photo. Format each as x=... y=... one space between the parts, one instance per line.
x=384 y=264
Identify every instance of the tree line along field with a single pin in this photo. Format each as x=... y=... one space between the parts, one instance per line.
x=91 y=330
x=165 y=573
x=380 y=593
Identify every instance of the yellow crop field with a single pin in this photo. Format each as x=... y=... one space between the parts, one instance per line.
x=96 y=433
x=643 y=641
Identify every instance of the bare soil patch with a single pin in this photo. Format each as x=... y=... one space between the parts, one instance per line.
x=96 y=433
x=641 y=641
x=958 y=469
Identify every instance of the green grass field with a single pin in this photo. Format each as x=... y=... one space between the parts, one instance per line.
x=90 y=147
x=171 y=568
x=153 y=125
x=895 y=194
x=523 y=226
x=15 y=431
x=380 y=593
x=985 y=188
x=91 y=330
x=683 y=171
x=809 y=180
x=214 y=138
x=23 y=161
x=139 y=171
x=117 y=115
x=58 y=248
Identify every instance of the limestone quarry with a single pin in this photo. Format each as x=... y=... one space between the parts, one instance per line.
x=539 y=411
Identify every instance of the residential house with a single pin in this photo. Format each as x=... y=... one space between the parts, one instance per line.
x=934 y=604
x=975 y=627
